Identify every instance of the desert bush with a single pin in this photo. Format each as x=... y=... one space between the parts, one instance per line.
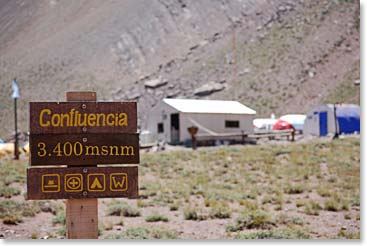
x=108 y=225
x=122 y=209
x=312 y=208
x=190 y=214
x=155 y=217
x=174 y=207
x=252 y=220
x=13 y=219
x=30 y=210
x=294 y=189
x=220 y=212
x=145 y=233
x=8 y=191
x=323 y=191
x=59 y=218
x=274 y=234
x=331 y=205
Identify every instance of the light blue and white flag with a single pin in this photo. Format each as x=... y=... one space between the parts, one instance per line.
x=15 y=89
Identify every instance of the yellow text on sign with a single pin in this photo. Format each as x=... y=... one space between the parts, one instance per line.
x=118 y=182
x=77 y=119
x=73 y=182
x=97 y=182
x=50 y=183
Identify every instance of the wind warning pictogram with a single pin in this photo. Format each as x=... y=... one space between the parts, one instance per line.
x=96 y=182
x=118 y=181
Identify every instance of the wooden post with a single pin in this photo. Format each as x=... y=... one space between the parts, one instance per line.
x=293 y=134
x=16 y=143
x=193 y=130
x=81 y=214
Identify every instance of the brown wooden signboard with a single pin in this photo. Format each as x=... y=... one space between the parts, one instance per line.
x=83 y=149
x=83 y=117
x=82 y=182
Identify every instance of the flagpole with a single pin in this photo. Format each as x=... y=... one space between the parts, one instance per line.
x=16 y=144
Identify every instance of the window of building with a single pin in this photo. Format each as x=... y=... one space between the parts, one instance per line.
x=160 y=128
x=232 y=124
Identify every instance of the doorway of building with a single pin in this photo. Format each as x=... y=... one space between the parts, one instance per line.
x=175 y=128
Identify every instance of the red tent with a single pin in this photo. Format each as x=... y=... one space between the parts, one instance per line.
x=282 y=125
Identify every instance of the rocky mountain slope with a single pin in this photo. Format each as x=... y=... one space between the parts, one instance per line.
x=276 y=56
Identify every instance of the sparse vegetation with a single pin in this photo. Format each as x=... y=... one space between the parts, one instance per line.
x=312 y=208
x=59 y=218
x=145 y=233
x=247 y=187
x=274 y=234
x=155 y=217
x=220 y=212
x=119 y=208
x=331 y=205
x=252 y=220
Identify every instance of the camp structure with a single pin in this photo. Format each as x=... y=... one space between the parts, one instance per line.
x=295 y=120
x=170 y=119
x=329 y=119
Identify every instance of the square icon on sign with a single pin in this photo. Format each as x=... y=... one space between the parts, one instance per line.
x=118 y=181
x=50 y=183
x=96 y=182
x=73 y=182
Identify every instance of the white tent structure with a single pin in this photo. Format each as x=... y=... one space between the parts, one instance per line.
x=328 y=119
x=170 y=118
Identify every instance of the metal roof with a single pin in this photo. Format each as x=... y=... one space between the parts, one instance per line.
x=208 y=106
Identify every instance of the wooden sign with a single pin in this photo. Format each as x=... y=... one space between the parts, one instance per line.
x=82 y=182
x=83 y=149
x=83 y=117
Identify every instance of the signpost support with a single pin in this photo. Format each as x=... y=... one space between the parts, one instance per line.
x=81 y=214
x=16 y=143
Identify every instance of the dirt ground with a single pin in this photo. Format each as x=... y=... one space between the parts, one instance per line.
x=292 y=212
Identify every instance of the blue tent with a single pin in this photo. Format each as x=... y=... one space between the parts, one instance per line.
x=348 y=117
x=320 y=120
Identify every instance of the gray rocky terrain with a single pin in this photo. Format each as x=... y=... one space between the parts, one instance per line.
x=276 y=56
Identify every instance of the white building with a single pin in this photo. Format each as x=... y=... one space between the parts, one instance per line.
x=170 y=118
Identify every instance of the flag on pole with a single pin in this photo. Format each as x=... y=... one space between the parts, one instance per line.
x=15 y=87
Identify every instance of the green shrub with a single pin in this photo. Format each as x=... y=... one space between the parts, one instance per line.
x=312 y=208
x=190 y=214
x=323 y=192
x=252 y=220
x=220 y=212
x=122 y=209
x=59 y=218
x=8 y=191
x=12 y=219
x=294 y=189
x=145 y=233
x=155 y=217
x=9 y=207
x=274 y=234
x=173 y=207
x=331 y=205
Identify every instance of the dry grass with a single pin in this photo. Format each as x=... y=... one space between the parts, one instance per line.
x=281 y=191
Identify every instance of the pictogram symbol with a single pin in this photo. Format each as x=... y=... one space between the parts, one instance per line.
x=50 y=183
x=118 y=181
x=73 y=182
x=96 y=182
